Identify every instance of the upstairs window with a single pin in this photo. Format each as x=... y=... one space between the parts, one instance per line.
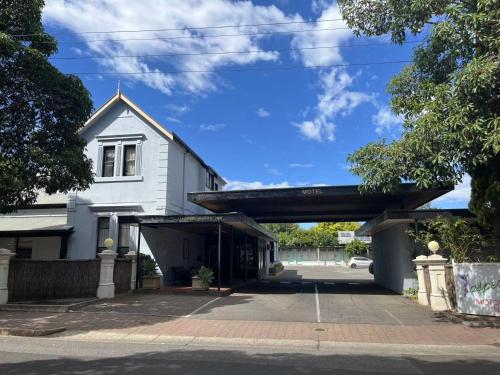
x=108 y=161
x=210 y=181
x=129 y=156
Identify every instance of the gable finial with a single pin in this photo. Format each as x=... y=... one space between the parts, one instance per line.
x=118 y=89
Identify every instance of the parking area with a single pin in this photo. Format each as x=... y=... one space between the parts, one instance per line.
x=300 y=294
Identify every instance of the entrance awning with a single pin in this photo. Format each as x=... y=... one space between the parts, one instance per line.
x=393 y=217
x=34 y=226
x=314 y=204
x=205 y=224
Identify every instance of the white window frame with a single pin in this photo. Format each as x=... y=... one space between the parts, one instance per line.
x=119 y=142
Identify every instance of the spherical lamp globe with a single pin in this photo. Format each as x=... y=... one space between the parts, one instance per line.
x=108 y=242
x=433 y=246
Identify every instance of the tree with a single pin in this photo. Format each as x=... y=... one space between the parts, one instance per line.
x=41 y=111
x=457 y=237
x=282 y=227
x=449 y=96
x=356 y=247
x=334 y=228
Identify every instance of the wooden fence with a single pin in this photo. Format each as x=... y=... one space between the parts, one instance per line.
x=52 y=279
x=450 y=285
x=122 y=274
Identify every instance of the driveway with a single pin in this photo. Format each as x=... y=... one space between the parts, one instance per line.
x=300 y=294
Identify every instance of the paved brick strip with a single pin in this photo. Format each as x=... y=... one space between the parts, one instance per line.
x=129 y=324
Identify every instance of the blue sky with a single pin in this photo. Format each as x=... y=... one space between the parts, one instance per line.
x=277 y=119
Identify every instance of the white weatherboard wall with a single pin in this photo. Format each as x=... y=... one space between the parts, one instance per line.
x=392 y=259
x=477 y=287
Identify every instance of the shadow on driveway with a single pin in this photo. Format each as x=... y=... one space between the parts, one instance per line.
x=212 y=362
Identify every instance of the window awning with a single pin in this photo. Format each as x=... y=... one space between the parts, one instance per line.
x=34 y=226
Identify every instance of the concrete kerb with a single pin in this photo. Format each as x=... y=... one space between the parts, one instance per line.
x=30 y=332
x=47 y=307
x=284 y=345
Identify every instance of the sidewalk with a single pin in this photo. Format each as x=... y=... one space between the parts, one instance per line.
x=112 y=326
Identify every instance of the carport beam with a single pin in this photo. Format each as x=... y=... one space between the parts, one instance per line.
x=219 y=238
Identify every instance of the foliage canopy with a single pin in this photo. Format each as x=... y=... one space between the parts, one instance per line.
x=41 y=111
x=449 y=97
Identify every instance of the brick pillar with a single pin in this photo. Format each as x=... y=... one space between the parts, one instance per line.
x=106 y=288
x=5 y=256
x=439 y=294
x=420 y=262
x=132 y=255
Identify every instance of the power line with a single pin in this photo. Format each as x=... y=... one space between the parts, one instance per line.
x=187 y=28
x=191 y=36
x=243 y=69
x=228 y=52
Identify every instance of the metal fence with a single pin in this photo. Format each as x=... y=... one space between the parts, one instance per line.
x=308 y=255
x=52 y=279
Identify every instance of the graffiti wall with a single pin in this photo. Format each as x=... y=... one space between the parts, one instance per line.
x=478 y=288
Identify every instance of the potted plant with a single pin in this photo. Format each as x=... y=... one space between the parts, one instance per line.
x=202 y=280
x=150 y=276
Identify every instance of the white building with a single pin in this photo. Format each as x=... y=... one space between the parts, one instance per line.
x=346 y=236
x=143 y=171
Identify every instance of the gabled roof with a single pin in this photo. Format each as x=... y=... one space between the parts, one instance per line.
x=150 y=120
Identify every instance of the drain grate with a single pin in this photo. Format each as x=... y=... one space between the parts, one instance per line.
x=319 y=329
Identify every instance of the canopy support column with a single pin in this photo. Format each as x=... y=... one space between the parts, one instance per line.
x=246 y=258
x=231 y=257
x=137 y=264
x=219 y=240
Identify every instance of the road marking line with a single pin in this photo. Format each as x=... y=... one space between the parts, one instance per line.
x=201 y=307
x=265 y=281
x=285 y=282
x=306 y=282
x=396 y=319
x=329 y=283
x=354 y=283
x=318 y=313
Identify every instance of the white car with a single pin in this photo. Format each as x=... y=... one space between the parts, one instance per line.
x=359 y=262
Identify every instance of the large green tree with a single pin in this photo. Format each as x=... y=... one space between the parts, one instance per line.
x=449 y=97
x=41 y=111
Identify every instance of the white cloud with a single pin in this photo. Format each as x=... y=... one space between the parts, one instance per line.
x=178 y=109
x=261 y=112
x=300 y=165
x=272 y=171
x=386 y=121
x=457 y=198
x=173 y=119
x=314 y=39
x=212 y=127
x=247 y=185
x=336 y=99
x=80 y=16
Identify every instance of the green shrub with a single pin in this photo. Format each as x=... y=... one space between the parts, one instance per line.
x=148 y=266
x=206 y=275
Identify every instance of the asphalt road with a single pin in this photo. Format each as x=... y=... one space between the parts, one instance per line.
x=318 y=294
x=300 y=294
x=51 y=356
